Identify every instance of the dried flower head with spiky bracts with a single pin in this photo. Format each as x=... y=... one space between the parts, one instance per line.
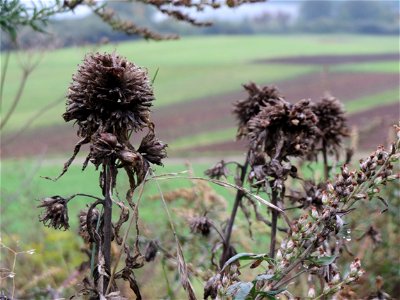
x=332 y=123
x=83 y=223
x=257 y=98
x=200 y=224
x=109 y=94
x=281 y=129
x=218 y=170
x=56 y=212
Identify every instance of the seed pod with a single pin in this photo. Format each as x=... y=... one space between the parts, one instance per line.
x=56 y=212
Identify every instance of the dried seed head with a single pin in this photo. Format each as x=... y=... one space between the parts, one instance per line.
x=103 y=146
x=56 y=212
x=128 y=156
x=83 y=230
x=332 y=123
x=152 y=149
x=281 y=129
x=110 y=93
x=200 y=225
x=217 y=171
x=247 y=108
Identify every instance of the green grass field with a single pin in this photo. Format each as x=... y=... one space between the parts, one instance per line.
x=190 y=68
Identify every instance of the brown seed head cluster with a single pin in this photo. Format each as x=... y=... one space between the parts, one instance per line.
x=218 y=170
x=332 y=123
x=281 y=129
x=109 y=94
x=56 y=212
x=257 y=98
x=200 y=225
x=83 y=223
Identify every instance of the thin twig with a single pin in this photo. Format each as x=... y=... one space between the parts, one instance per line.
x=182 y=266
x=295 y=263
x=325 y=158
x=17 y=98
x=28 y=123
x=290 y=279
x=3 y=74
x=274 y=222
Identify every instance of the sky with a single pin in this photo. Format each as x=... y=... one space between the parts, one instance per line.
x=224 y=13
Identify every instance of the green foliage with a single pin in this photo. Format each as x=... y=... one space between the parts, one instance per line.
x=15 y=14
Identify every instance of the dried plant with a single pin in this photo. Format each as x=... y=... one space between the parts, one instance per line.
x=332 y=124
x=109 y=99
x=278 y=131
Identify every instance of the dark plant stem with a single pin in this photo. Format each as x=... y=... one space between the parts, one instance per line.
x=107 y=217
x=274 y=223
x=325 y=157
x=229 y=227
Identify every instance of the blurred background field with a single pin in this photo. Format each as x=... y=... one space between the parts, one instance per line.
x=196 y=81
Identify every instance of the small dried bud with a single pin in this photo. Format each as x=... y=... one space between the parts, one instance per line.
x=128 y=156
x=355 y=266
x=83 y=230
x=217 y=171
x=151 y=251
x=152 y=149
x=311 y=292
x=56 y=212
x=200 y=225
x=212 y=286
x=314 y=213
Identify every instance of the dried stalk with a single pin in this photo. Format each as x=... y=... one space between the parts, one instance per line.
x=229 y=227
x=274 y=222
x=107 y=217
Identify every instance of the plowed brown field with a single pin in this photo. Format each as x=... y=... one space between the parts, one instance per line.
x=212 y=113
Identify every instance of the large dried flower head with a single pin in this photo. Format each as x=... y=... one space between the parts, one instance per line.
x=218 y=170
x=200 y=224
x=56 y=212
x=332 y=123
x=281 y=129
x=110 y=93
x=257 y=98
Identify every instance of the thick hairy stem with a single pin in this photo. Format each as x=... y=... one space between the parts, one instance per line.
x=325 y=157
x=107 y=217
x=229 y=227
x=274 y=223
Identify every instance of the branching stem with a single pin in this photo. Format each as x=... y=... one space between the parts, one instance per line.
x=229 y=227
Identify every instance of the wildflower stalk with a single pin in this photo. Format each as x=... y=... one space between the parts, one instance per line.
x=229 y=227
x=107 y=215
x=274 y=222
x=325 y=158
